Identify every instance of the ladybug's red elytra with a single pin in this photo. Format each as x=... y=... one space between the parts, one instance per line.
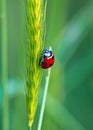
x=47 y=59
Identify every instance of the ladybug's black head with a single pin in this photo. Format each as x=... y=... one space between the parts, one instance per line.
x=47 y=53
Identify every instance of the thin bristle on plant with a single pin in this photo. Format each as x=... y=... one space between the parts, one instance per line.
x=34 y=30
x=44 y=100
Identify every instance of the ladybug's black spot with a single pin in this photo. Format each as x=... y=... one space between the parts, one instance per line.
x=45 y=63
x=53 y=57
x=50 y=64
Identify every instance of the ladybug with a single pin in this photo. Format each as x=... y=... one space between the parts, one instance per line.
x=47 y=59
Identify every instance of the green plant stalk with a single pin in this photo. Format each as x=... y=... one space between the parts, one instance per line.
x=34 y=30
x=29 y=128
x=44 y=100
x=4 y=65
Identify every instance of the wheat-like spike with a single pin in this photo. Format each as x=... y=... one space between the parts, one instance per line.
x=34 y=31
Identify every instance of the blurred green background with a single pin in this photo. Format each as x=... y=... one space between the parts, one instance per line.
x=69 y=30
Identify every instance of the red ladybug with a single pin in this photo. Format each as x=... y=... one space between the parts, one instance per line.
x=47 y=59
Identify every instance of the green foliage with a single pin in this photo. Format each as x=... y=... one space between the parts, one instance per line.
x=4 y=76
x=69 y=30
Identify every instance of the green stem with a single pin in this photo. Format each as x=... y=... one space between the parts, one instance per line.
x=4 y=65
x=29 y=128
x=44 y=100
